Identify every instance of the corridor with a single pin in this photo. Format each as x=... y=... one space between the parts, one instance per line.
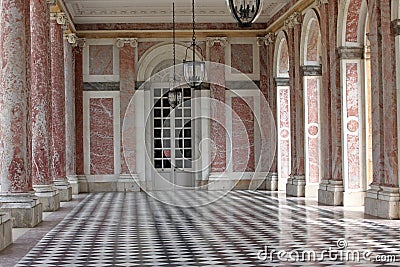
x=228 y=229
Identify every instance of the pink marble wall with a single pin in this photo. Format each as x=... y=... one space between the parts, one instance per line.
x=353 y=138
x=127 y=90
x=143 y=47
x=101 y=136
x=217 y=124
x=243 y=134
x=69 y=108
x=284 y=132
x=353 y=17
x=242 y=58
x=313 y=129
x=284 y=58
x=101 y=60
x=312 y=42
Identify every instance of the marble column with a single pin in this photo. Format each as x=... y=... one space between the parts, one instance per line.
x=79 y=156
x=41 y=106
x=296 y=183
x=69 y=69
x=312 y=81
x=331 y=188
x=216 y=46
x=383 y=197
x=57 y=24
x=268 y=89
x=128 y=179
x=15 y=196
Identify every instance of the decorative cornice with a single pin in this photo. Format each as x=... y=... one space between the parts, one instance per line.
x=311 y=70
x=133 y=42
x=351 y=52
x=293 y=20
x=222 y=41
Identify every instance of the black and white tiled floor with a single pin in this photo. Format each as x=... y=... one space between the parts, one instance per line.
x=134 y=229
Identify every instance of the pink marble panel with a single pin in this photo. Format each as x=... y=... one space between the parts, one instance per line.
x=242 y=58
x=217 y=124
x=353 y=17
x=313 y=130
x=101 y=60
x=143 y=47
x=101 y=136
x=313 y=160
x=284 y=132
x=243 y=134
x=127 y=90
x=284 y=58
x=353 y=140
x=312 y=42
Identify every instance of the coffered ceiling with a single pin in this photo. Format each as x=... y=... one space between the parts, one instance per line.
x=158 y=11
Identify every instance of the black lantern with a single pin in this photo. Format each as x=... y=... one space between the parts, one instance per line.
x=245 y=11
x=174 y=93
x=193 y=71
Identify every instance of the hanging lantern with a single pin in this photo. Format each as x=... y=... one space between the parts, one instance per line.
x=193 y=71
x=245 y=12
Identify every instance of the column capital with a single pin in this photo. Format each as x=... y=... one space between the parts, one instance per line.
x=282 y=81
x=75 y=41
x=396 y=27
x=60 y=17
x=71 y=38
x=311 y=70
x=356 y=52
x=222 y=41
x=293 y=20
x=133 y=42
x=267 y=40
x=52 y=2
x=320 y=3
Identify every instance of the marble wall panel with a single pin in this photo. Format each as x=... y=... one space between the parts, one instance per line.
x=101 y=60
x=101 y=136
x=242 y=58
x=353 y=17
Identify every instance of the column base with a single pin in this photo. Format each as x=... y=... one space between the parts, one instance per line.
x=73 y=181
x=64 y=188
x=330 y=193
x=201 y=185
x=48 y=196
x=25 y=209
x=83 y=185
x=383 y=202
x=296 y=186
x=5 y=230
x=128 y=183
x=220 y=181
x=271 y=182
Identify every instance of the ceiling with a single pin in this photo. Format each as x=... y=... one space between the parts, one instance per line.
x=158 y=11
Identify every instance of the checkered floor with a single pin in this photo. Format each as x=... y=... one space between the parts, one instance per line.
x=134 y=229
